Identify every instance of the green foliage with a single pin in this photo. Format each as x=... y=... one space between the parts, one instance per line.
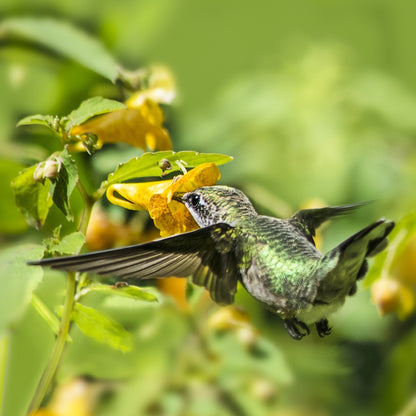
x=65 y=183
x=32 y=197
x=48 y=121
x=148 y=164
x=90 y=108
x=18 y=281
x=69 y=244
x=102 y=329
x=132 y=292
x=11 y=219
x=64 y=39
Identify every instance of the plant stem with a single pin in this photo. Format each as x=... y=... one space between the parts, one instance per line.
x=56 y=356
x=52 y=366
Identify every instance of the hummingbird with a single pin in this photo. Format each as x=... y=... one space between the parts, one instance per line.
x=275 y=259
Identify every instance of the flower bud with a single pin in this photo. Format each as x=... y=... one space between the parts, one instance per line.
x=48 y=169
x=386 y=295
x=393 y=295
x=51 y=169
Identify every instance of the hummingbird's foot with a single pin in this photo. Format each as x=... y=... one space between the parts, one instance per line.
x=323 y=327
x=293 y=327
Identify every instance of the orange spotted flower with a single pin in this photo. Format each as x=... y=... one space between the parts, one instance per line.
x=170 y=216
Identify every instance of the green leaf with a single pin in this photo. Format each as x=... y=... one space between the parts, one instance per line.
x=31 y=197
x=90 y=108
x=132 y=292
x=65 y=184
x=65 y=39
x=148 y=164
x=70 y=244
x=101 y=328
x=11 y=219
x=17 y=281
x=40 y=119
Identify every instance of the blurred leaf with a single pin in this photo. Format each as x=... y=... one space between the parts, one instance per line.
x=397 y=382
x=65 y=184
x=30 y=347
x=132 y=292
x=148 y=164
x=17 y=281
x=90 y=108
x=70 y=244
x=32 y=198
x=101 y=328
x=11 y=220
x=39 y=119
x=64 y=39
x=263 y=359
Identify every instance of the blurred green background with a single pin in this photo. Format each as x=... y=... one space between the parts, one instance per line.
x=315 y=100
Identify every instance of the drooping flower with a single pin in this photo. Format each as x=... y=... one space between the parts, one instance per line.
x=140 y=126
x=141 y=123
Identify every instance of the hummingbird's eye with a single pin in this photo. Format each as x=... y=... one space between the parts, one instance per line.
x=195 y=200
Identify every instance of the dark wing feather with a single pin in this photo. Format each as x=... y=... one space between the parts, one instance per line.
x=308 y=220
x=208 y=254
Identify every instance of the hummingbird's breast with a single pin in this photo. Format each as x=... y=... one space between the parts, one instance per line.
x=277 y=264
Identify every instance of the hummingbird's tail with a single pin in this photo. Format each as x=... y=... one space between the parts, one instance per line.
x=345 y=264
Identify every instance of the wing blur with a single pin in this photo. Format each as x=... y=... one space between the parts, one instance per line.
x=207 y=254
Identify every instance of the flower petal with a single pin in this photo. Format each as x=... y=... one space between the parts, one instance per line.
x=139 y=126
x=170 y=216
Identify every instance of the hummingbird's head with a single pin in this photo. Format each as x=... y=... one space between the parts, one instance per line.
x=213 y=204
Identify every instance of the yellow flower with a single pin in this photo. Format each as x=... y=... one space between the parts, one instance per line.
x=138 y=126
x=170 y=216
x=75 y=397
x=141 y=123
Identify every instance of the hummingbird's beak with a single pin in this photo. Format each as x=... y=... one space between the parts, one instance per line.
x=177 y=196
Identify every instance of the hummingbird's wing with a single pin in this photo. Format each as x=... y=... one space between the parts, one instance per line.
x=308 y=220
x=342 y=266
x=207 y=254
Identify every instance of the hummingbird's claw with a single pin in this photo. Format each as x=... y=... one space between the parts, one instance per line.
x=323 y=328
x=293 y=327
